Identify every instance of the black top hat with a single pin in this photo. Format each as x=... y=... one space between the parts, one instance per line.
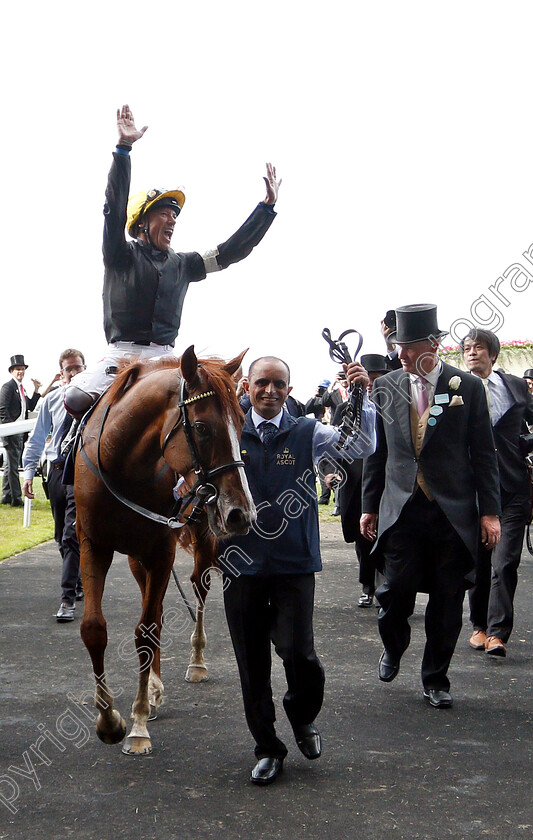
x=17 y=361
x=528 y=374
x=416 y=323
x=374 y=363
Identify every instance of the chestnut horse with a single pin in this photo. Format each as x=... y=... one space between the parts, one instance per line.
x=158 y=419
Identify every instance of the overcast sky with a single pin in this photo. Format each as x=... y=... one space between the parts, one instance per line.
x=402 y=132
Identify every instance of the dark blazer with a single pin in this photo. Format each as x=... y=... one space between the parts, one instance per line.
x=458 y=458
x=511 y=462
x=285 y=539
x=10 y=406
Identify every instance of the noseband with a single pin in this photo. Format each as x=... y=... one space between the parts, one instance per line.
x=203 y=491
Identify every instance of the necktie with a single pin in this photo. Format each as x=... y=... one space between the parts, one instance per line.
x=422 y=402
x=267 y=431
x=64 y=443
x=487 y=394
x=22 y=391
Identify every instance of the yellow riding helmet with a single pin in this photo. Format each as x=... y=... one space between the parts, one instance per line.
x=141 y=203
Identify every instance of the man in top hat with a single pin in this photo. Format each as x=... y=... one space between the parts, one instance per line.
x=510 y=408
x=528 y=376
x=15 y=405
x=428 y=490
x=145 y=281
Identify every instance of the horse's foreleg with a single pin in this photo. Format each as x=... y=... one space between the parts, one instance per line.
x=197 y=670
x=204 y=561
x=155 y=685
x=110 y=726
x=147 y=641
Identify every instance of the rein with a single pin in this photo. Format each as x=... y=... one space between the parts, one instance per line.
x=203 y=490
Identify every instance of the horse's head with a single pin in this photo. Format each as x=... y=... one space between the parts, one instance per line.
x=211 y=420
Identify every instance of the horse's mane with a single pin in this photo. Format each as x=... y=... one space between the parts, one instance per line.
x=212 y=369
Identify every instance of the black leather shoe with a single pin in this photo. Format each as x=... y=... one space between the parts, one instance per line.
x=388 y=667
x=266 y=770
x=308 y=740
x=80 y=594
x=17 y=503
x=438 y=699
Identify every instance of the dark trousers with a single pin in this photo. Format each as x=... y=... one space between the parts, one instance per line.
x=64 y=513
x=11 y=490
x=278 y=609
x=422 y=552
x=491 y=599
x=367 y=566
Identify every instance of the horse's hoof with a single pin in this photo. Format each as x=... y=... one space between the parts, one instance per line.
x=114 y=733
x=153 y=712
x=196 y=673
x=135 y=745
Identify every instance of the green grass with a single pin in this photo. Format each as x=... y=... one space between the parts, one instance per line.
x=15 y=538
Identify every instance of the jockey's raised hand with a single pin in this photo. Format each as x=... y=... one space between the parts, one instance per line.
x=271 y=184
x=127 y=132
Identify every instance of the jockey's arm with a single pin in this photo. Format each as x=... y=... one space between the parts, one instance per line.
x=241 y=244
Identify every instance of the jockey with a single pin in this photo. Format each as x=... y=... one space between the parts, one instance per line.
x=145 y=281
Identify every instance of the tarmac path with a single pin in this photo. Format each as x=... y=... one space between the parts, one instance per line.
x=392 y=767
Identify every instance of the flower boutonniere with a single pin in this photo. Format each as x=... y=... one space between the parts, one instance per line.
x=454 y=383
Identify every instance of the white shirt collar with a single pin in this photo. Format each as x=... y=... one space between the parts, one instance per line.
x=257 y=419
x=432 y=377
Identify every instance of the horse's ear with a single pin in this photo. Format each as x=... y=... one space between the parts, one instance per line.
x=231 y=367
x=189 y=364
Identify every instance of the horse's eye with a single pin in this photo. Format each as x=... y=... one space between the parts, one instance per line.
x=201 y=428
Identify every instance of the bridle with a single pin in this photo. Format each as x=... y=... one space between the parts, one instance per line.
x=203 y=492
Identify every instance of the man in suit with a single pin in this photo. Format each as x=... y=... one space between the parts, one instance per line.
x=269 y=574
x=15 y=405
x=427 y=490
x=510 y=404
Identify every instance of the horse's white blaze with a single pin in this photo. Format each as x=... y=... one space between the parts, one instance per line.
x=236 y=453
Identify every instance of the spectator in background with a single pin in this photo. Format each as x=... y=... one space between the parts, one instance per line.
x=528 y=376
x=50 y=428
x=15 y=405
x=510 y=405
x=316 y=407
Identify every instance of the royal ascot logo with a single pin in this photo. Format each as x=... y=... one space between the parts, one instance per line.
x=285 y=458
